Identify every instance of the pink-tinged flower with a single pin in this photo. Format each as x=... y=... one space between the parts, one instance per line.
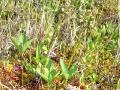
x=53 y=56
x=17 y=67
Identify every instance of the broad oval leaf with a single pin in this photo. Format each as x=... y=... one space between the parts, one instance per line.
x=73 y=70
x=64 y=69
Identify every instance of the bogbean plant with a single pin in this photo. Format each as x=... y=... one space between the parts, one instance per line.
x=68 y=73
x=22 y=43
x=43 y=66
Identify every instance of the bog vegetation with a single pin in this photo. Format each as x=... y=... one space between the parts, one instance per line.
x=59 y=45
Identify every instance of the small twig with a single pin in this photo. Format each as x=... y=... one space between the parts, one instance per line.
x=11 y=84
x=42 y=85
x=5 y=86
x=37 y=85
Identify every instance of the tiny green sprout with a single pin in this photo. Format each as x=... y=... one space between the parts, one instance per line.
x=82 y=79
x=118 y=85
x=94 y=77
x=38 y=50
x=89 y=87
